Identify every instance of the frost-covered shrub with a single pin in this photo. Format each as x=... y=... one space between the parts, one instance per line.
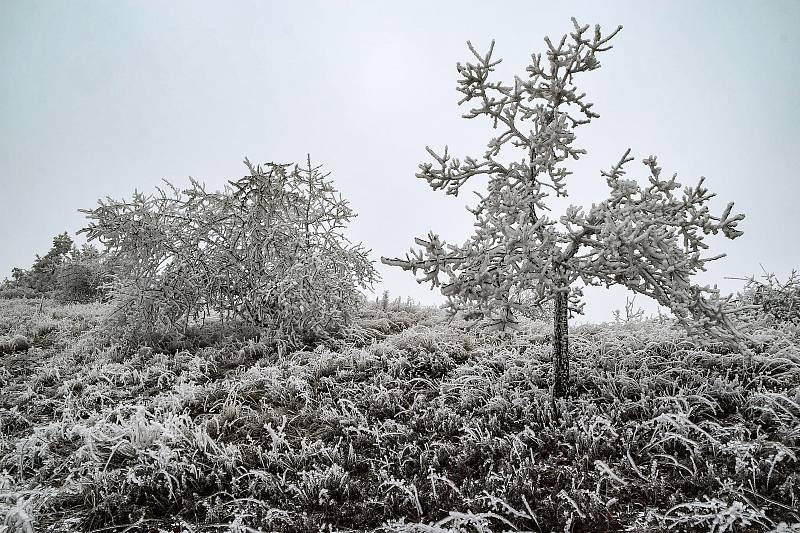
x=77 y=283
x=10 y=291
x=780 y=300
x=268 y=250
x=81 y=278
x=66 y=273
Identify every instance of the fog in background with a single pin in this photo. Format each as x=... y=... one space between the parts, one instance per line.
x=101 y=98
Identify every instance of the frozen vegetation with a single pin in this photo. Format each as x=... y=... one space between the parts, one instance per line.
x=403 y=423
x=646 y=235
x=214 y=366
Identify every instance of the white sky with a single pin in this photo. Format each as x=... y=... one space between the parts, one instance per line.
x=101 y=98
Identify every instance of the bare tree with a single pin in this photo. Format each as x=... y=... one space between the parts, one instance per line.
x=648 y=238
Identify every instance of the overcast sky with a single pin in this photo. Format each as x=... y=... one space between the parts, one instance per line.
x=101 y=98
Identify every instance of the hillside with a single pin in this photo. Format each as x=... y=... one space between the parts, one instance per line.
x=409 y=424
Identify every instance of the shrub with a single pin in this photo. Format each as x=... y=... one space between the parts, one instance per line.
x=10 y=291
x=77 y=283
x=268 y=250
x=66 y=273
x=80 y=279
x=775 y=299
x=781 y=300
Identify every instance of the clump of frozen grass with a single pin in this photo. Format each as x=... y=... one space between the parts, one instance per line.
x=16 y=343
x=715 y=516
x=19 y=509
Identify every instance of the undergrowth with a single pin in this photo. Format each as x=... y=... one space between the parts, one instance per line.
x=407 y=423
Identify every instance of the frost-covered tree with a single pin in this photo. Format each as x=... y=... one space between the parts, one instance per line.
x=268 y=250
x=42 y=277
x=647 y=237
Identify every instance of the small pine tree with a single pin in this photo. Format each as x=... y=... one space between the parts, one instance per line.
x=646 y=238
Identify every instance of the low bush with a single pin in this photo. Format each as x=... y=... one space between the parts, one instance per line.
x=780 y=300
x=267 y=250
x=11 y=291
x=81 y=281
x=66 y=273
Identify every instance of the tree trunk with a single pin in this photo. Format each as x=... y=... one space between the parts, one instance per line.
x=560 y=346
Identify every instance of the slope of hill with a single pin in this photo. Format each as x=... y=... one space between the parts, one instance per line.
x=411 y=424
